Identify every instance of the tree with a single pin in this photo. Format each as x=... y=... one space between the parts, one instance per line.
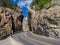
x=6 y=3
x=39 y=4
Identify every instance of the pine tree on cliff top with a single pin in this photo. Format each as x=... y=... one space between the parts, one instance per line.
x=7 y=3
x=39 y=4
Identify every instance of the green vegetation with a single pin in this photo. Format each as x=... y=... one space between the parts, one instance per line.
x=6 y=3
x=39 y=4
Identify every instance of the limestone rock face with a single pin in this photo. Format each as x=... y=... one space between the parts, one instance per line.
x=5 y=22
x=25 y=25
x=10 y=21
x=17 y=20
x=47 y=22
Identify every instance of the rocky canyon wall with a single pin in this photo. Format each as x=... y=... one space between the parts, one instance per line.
x=10 y=21
x=46 y=21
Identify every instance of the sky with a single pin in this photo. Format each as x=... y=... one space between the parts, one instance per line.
x=24 y=5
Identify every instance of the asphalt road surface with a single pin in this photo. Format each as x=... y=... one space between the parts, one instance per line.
x=28 y=38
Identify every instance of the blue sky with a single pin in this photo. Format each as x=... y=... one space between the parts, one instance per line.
x=24 y=5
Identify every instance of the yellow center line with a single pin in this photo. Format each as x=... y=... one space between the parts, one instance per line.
x=36 y=40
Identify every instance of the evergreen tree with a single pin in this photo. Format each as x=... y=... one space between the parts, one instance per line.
x=6 y=3
x=39 y=4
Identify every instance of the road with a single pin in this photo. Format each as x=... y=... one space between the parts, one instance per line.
x=28 y=38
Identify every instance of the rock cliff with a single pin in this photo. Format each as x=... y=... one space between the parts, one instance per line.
x=10 y=21
x=46 y=21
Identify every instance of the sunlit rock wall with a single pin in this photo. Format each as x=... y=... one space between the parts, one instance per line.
x=46 y=22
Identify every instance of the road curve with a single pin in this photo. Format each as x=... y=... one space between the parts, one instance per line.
x=28 y=38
